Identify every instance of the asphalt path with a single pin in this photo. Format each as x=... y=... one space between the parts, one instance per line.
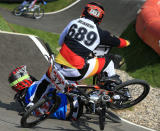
x=16 y=50
x=118 y=14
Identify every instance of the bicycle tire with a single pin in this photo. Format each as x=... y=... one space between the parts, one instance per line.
x=28 y=113
x=17 y=12
x=38 y=13
x=130 y=103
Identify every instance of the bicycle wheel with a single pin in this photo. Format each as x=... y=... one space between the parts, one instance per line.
x=17 y=11
x=38 y=13
x=34 y=115
x=131 y=93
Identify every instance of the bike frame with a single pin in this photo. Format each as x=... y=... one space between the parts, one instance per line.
x=58 y=79
x=62 y=85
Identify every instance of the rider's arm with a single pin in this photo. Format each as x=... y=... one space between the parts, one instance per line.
x=63 y=34
x=111 y=40
x=123 y=43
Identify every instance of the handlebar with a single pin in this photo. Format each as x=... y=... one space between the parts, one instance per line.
x=102 y=50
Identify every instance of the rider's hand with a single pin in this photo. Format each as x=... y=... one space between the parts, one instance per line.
x=123 y=43
x=127 y=43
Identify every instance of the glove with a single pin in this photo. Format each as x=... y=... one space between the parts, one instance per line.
x=123 y=43
x=127 y=43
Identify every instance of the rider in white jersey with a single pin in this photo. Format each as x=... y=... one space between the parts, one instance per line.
x=75 y=60
x=80 y=38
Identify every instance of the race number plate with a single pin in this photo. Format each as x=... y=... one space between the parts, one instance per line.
x=58 y=79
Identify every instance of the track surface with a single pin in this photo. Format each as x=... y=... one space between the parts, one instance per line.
x=18 y=50
x=119 y=13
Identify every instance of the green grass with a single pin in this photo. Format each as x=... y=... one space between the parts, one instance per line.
x=4 y=25
x=57 y=4
x=48 y=37
x=9 y=6
x=51 y=6
x=141 y=61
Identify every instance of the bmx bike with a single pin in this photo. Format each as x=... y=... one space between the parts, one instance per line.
x=97 y=99
x=36 y=12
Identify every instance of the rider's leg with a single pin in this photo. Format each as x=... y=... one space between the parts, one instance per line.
x=37 y=90
x=97 y=65
x=110 y=74
x=109 y=69
x=69 y=107
x=92 y=67
x=32 y=4
x=42 y=87
x=68 y=72
x=23 y=4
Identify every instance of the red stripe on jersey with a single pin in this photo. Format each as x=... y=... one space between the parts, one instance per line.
x=101 y=62
x=71 y=57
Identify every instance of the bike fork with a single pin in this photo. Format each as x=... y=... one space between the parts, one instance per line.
x=102 y=117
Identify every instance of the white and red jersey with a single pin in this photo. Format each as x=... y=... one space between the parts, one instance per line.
x=80 y=37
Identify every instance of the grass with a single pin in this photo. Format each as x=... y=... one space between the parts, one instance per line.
x=4 y=25
x=48 y=37
x=51 y=6
x=56 y=5
x=141 y=61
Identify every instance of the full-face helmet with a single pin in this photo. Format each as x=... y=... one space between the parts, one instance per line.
x=19 y=79
x=93 y=11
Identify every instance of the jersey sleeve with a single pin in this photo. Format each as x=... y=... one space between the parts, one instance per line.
x=63 y=34
x=108 y=39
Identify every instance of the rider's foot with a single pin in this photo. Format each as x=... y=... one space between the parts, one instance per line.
x=110 y=82
x=113 y=79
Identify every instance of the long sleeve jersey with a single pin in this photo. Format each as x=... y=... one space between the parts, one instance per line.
x=81 y=37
